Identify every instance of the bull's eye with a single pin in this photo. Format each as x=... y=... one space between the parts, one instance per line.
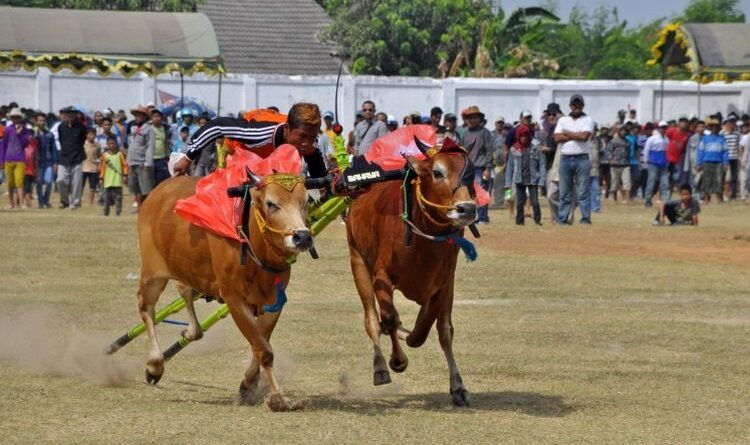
x=437 y=174
x=271 y=206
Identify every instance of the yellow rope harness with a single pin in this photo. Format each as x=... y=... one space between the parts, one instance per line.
x=424 y=203
x=264 y=226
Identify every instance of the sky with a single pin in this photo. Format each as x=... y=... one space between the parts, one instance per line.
x=636 y=12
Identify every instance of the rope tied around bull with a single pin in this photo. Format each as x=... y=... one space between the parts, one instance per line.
x=424 y=202
x=454 y=237
x=247 y=246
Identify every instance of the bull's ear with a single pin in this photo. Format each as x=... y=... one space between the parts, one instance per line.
x=424 y=148
x=252 y=177
x=422 y=168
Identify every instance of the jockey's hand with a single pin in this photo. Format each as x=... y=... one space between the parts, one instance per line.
x=182 y=166
x=339 y=188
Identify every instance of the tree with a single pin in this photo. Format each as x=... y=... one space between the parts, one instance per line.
x=429 y=37
x=124 y=5
x=712 y=11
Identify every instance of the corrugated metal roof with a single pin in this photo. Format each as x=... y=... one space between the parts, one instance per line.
x=271 y=37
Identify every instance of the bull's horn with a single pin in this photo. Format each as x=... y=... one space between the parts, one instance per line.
x=424 y=148
x=254 y=179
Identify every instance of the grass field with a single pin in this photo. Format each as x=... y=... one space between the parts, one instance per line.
x=619 y=333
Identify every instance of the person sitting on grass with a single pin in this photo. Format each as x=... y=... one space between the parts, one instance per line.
x=680 y=212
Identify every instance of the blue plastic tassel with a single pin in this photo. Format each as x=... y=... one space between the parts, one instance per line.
x=466 y=246
x=281 y=295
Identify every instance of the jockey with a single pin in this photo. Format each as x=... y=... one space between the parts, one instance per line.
x=263 y=136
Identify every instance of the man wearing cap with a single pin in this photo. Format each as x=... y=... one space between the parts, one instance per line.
x=12 y=155
x=678 y=137
x=140 y=155
x=713 y=160
x=477 y=140
x=655 y=156
x=72 y=134
x=161 y=149
x=732 y=136
x=368 y=130
x=572 y=133
x=328 y=121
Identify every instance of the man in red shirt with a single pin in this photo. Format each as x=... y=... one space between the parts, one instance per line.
x=678 y=137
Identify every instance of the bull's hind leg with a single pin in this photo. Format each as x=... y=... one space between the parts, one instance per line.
x=148 y=294
x=193 y=331
x=459 y=393
x=248 y=386
x=363 y=282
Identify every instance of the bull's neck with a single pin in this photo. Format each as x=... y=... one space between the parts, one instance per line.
x=264 y=250
x=419 y=219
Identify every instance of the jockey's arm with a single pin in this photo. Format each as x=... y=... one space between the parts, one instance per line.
x=251 y=133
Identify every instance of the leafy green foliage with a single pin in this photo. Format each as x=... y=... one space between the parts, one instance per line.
x=124 y=5
x=477 y=38
x=712 y=11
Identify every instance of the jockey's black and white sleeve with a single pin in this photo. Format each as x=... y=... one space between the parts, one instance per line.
x=251 y=133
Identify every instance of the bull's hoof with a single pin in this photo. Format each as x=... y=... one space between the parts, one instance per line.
x=397 y=365
x=251 y=395
x=152 y=378
x=461 y=397
x=278 y=403
x=381 y=377
x=198 y=334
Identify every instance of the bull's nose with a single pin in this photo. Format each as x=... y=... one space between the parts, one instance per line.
x=466 y=209
x=302 y=239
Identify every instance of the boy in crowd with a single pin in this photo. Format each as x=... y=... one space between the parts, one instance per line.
x=680 y=212
x=46 y=161
x=91 y=164
x=113 y=173
x=182 y=141
x=29 y=176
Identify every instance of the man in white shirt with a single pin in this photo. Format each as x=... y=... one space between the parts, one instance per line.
x=745 y=158
x=572 y=134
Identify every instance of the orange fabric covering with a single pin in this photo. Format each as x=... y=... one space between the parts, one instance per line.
x=258 y=115
x=210 y=208
x=388 y=152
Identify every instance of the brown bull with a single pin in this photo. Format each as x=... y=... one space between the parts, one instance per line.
x=442 y=198
x=202 y=262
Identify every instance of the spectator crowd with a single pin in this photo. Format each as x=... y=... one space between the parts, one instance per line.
x=564 y=156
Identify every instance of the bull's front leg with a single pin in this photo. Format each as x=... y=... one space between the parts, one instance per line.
x=243 y=316
x=249 y=385
x=458 y=390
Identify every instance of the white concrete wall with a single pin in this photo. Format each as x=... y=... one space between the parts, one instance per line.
x=394 y=95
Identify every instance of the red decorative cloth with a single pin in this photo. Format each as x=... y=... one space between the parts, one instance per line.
x=210 y=208
x=388 y=151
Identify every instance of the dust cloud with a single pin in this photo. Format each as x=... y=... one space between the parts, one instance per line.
x=43 y=343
